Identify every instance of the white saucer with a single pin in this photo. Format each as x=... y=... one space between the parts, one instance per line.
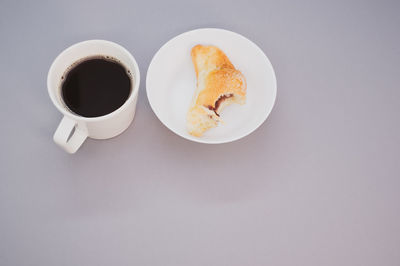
x=171 y=82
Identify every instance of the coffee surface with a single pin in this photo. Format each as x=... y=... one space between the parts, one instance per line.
x=96 y=86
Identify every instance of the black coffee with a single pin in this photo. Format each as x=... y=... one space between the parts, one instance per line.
x=96 y=86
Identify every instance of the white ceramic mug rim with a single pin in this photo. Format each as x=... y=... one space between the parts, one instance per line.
x=131 y=97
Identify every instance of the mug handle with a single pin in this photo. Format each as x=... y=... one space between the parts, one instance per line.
x=68 y=139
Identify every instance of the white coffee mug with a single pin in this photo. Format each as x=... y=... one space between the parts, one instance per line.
x=74 y=129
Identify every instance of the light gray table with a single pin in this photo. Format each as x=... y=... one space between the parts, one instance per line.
x=317 y=184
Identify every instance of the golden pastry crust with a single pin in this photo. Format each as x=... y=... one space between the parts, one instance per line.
x=218 y=85
x=220 y=82
x=209 y=57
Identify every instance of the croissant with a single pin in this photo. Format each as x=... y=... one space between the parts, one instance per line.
x=219 y=84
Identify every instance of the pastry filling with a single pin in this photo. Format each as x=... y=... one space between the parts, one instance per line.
x=219 y=101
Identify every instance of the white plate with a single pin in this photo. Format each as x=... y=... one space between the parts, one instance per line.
x=171 y=83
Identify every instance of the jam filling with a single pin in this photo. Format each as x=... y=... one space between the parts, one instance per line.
x=218 y=103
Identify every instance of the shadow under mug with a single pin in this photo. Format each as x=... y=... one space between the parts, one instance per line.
x=74 y=129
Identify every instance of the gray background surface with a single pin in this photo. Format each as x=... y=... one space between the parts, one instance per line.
x=317 y=184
